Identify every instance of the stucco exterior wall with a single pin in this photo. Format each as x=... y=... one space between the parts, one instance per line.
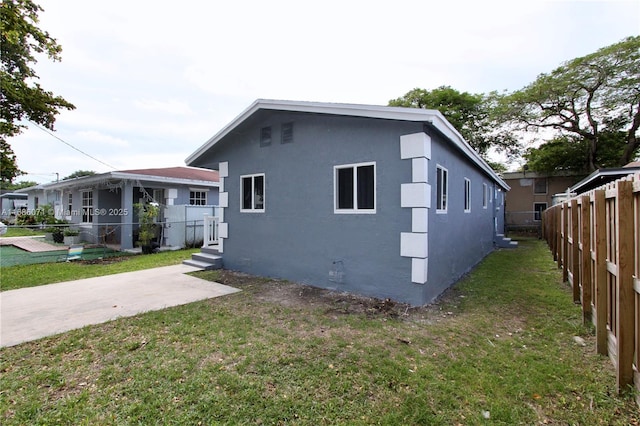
x=299 y=236
x=458 y=240
x=522 y=197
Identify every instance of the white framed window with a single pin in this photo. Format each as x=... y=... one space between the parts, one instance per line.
x=87 y=206
x=354 y=188
x=538 y=208
x=484 y=195
x=252 y=194
x=197 y=198
x=69 y=204
x=540 y=186
x=442 y=189
x=467 y=195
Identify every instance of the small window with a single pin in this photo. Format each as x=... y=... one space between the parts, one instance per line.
x=484 y=195
x=467 y=195
x=538 y=208
x=287 y=133
x=196 y=198
x=252 y=193
x=540 y=186
x=69 y=204
x=442 y=189
x=87 y=206
x=355 y=188
x=36 y=202
x=265 y=136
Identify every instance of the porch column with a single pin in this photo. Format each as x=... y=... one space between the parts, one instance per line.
x=126 y=228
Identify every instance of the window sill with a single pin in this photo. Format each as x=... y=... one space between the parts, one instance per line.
x=354 y=211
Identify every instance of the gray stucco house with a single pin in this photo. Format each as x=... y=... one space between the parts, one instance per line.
x=102 y=206
x=382 y=201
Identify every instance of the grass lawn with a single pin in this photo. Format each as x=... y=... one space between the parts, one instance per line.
x=13 y=277
x=497 y=349
x=23 y=232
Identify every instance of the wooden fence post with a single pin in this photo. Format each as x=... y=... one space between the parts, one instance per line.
x=575 y=252
x=625 y=302
x=636 y=283
x=558 y=235
x=585 y=259
x=600 y=270
x=565 y=242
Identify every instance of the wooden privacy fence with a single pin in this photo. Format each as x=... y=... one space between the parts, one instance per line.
x=595 y=238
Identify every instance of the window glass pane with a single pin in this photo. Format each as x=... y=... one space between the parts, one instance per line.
x=484 y=195
x=445 y=189
x=366 y=189
x=258 y=195
x=439 y=202
x=540 y=186
x=345 y=188
x=247 y=193
x=467 y=194
x=538 y=208
x=87 y=206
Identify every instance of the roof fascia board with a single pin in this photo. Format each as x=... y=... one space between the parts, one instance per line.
x=447 y=130
x=88 y=180
x=163 y=179
x=623 y=171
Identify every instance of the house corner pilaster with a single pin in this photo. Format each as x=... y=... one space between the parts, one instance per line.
x=223 y=227
x=416 y=195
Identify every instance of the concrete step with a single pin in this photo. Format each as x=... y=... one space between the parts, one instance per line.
x=205 y=261
x=506 y=243
x=206 y=257
x=210 y=250
x=197 y=264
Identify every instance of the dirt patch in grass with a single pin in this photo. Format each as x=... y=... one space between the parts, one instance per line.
x=105 y=260
x=304 y=297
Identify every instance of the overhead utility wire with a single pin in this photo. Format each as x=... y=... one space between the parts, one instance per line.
x=71 y=146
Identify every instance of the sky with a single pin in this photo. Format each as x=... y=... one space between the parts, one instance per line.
x=153 y=80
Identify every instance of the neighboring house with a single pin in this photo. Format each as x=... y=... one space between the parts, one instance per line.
x=603 y=176
x=382 y=201
x=102 y=205
x=12 y=203
x=531 y=193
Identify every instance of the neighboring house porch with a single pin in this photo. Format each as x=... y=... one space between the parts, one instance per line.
x=102 y=207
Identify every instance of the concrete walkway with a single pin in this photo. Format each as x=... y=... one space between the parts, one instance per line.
x=35 y=312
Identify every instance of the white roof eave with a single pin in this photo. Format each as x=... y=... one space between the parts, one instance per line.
x=88 y=180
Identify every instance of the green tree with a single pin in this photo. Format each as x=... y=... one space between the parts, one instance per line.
x=8 y=165
x=79 y=173
x=19 y=185
x=590 y=98
x=21 y=97
x=470 y=114
x=571 y=153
